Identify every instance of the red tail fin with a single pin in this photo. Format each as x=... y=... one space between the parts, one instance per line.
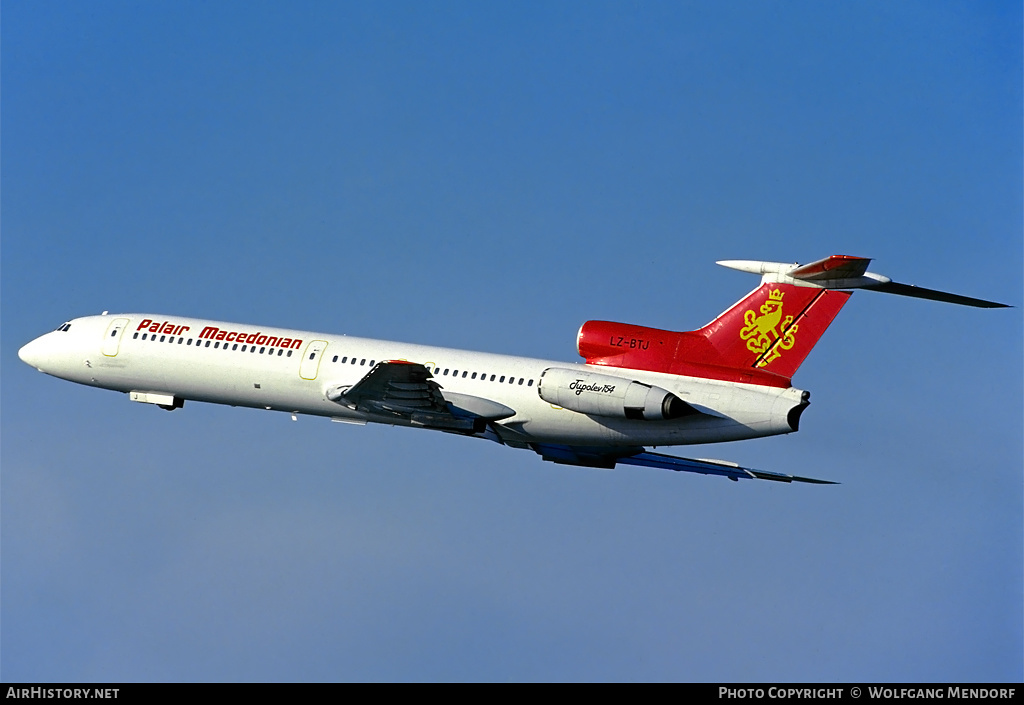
x=762 y=339
x=773 y=328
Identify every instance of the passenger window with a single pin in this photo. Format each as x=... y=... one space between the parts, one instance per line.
x=207 y=344
x=289 y=353
x=263 y=350
x=363 y=361
x=279 y=352
x=492 y=378
x=215 y=345
x=502 y=378
x=446 y=371
x=474 y=376
x=464 y=373
x=235 y=346
x=135 y=336
x=343 y=360
x=243 y=348
x=529 y=383
x=180 y=341
x=335 y=359
x=162 y=338
x=371 y=363
x=521 y=380
x=311 y=355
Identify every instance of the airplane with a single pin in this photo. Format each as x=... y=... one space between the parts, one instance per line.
x=638 y=388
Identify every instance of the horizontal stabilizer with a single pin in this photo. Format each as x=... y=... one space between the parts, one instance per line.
x=834 y=267
x=919 y=292
x=846 y=272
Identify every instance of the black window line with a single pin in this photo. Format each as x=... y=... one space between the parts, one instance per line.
x=344 y=360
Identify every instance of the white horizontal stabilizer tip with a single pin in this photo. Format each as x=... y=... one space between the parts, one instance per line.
x=756 y=267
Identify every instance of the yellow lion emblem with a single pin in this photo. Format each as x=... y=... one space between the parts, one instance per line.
x=762 y=332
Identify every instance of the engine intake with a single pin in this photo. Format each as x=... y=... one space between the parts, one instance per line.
x=606 y=395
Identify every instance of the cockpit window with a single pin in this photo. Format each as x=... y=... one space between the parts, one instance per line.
x=65 y=326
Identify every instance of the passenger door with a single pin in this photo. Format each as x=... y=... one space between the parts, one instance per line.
x=310 y=364
x=112 y=338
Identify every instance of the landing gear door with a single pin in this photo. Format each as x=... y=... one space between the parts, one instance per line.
x=310 y=364
x=112 y=338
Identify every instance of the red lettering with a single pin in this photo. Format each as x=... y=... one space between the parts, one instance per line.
x=145 y=323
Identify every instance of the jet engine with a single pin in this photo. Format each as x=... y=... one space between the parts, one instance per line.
x=605 y=395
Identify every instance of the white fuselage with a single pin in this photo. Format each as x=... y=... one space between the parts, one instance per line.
x=157 y=356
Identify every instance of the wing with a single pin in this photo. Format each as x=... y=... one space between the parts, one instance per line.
x=609 y=457
x=406 y=390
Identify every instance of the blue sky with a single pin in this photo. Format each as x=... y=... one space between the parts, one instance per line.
x=489 y=177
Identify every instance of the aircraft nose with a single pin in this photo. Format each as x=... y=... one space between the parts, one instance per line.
x=32 y=353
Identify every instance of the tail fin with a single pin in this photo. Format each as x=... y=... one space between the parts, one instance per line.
x=773 y=328
x=762 y=339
